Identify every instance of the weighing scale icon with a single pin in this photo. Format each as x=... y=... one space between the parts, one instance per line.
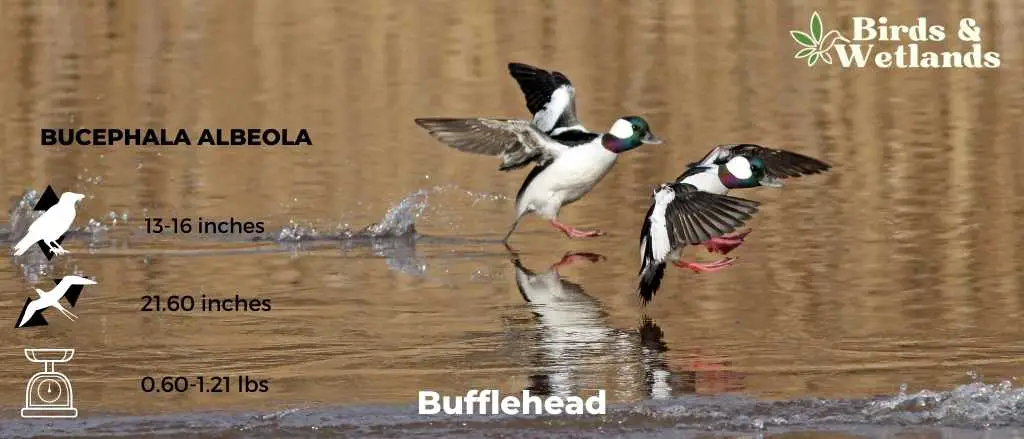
x=48 y=394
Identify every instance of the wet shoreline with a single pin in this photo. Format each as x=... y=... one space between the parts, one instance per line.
x=920 y=415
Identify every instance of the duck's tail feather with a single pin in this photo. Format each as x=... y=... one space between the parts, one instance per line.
x=650 y=281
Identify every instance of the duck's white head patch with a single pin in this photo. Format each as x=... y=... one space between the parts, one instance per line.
x=739 y=167
x=622 y=129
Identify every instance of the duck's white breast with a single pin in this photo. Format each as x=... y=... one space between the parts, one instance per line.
x=707 y=181
x=568 y=179
x=580 y=168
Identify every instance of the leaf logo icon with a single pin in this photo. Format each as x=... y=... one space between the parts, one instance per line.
x=815 y=46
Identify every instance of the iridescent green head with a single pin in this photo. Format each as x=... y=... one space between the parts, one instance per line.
x=746 y=172
x=627 y=133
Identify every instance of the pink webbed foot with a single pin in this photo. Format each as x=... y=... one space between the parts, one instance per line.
x=574 y=233
x=726 y=243
x=705 y=267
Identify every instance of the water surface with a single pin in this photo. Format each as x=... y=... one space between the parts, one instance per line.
x=381 y=258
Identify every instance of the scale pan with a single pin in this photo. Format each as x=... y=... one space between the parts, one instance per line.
x=49 y=355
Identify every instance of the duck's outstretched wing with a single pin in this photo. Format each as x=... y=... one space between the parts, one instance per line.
x=779 y=163
x=516 y=141
x=681 y=215
x=550 y=97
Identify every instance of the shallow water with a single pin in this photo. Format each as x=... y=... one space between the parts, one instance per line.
x=381 y=256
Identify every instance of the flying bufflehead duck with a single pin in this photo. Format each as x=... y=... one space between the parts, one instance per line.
x=570 y=160
x=726 y=167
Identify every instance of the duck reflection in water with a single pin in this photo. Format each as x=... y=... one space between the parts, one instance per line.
x=578 y=352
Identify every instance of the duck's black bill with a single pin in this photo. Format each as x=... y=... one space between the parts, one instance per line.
x=651 y=139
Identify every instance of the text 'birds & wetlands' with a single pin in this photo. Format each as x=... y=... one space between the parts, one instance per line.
x=175 y=137
x=907 y=44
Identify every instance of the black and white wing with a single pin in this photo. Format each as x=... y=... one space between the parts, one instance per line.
x=550 y=97
x=681 y=215
x=517 y=141
x=779 y=163
x=718 y=155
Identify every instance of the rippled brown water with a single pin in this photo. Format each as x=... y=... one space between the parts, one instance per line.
x=899 y=266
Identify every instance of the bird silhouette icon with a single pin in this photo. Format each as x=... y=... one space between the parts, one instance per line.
x=51 y=226
x=69 y=288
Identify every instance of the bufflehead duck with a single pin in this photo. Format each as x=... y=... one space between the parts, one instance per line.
x=726 y=167
x=569 y=160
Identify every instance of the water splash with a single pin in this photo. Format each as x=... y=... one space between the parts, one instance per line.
x=395 y=235
x=22 y=213
x=971 y=406
x=975 y=403
x=295 y=232
x=400 y=220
